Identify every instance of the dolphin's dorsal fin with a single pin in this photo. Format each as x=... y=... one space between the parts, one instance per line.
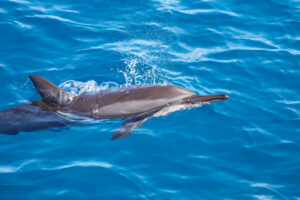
x=49 y=92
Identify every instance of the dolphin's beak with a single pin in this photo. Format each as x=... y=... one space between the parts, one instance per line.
x=213 y=98
x=206 y=98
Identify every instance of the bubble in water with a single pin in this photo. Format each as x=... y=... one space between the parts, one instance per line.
x=137 y=73
x=77 y=87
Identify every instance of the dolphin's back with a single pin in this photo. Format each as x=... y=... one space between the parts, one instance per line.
x=119 y=103
x=27 y=117
x=128 y=102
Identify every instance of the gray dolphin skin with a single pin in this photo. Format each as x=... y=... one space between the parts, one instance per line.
x=134 y=104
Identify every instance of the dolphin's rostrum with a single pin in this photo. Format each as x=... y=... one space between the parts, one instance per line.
x=134 y=104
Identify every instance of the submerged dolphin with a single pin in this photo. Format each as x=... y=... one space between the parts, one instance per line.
x=133 y=104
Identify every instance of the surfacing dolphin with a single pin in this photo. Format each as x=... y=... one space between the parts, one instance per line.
x=133 y=104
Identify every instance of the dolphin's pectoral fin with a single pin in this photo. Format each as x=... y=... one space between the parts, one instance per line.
x=133 y=123
x=127 y=127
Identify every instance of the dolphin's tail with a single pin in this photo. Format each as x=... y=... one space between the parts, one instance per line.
x=49 y=92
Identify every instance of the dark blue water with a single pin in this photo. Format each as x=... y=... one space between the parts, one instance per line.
x=246 y=147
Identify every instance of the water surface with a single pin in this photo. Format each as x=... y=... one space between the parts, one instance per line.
x=244 y=148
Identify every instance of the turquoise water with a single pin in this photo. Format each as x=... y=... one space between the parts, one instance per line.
x=246 y=147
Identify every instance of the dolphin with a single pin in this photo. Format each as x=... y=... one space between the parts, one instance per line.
x=134 y=104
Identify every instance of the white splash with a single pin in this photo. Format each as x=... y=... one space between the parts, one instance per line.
x=142 y=59
x=77 y=87
x=135 y=74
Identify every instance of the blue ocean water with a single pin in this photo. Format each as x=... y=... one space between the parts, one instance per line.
x=246 y=147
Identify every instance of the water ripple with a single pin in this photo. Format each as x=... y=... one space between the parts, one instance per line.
x=15 y=169
x=82 y=164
